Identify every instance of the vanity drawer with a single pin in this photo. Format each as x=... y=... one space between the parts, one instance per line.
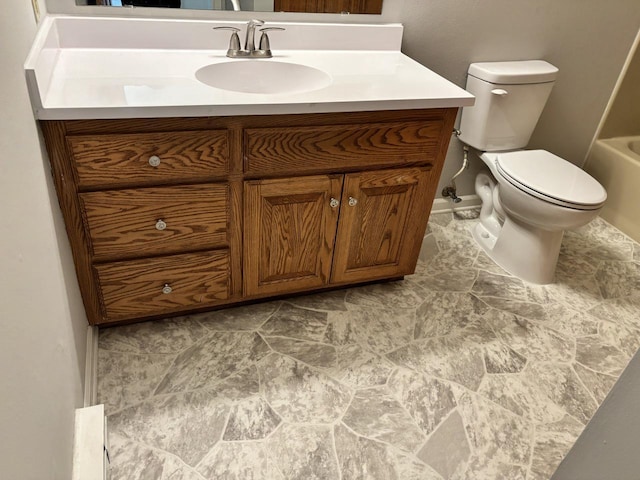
x=151 y=221
x=161 y=285
x=149 y=158
x=324 y=148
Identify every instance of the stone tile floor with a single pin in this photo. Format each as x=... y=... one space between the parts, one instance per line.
x=460 y=371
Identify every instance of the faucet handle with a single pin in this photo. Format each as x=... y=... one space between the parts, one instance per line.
x=234 y=41
x=264 y=39
x=235 y=29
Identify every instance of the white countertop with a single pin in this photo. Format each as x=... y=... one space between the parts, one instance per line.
x=107 y=78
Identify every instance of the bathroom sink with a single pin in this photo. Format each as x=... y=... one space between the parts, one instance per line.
x=263 y=76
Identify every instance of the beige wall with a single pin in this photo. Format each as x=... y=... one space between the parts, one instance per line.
x=42 y=324
x=624 y=117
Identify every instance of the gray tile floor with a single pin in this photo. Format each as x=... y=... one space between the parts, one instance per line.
x=458 y=372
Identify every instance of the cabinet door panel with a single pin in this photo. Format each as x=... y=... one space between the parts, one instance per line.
x=382 y=222
x=290 y=229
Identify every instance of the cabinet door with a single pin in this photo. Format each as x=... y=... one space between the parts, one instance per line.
x=290 y=227
x=382 y=222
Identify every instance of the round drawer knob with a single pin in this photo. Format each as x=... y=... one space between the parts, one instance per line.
x=154 y=160
x=353 y=201
x=167 y=289
x=160 y=225
x=334 y=203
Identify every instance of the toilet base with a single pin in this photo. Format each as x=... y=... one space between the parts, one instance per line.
x=524 y=251
x=484 y=238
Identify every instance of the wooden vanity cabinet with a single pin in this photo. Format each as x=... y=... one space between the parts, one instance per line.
x=177 y=215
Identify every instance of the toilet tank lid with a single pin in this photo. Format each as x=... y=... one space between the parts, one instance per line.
x=513 y=73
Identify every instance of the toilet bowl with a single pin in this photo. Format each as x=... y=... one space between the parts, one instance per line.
x=531 y=196
x=522 y=222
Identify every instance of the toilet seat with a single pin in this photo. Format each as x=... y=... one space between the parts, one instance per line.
x=551 y=178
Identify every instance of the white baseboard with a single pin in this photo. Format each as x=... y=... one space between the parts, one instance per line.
x=444 y=205
x=91 y=368
x=90 y=454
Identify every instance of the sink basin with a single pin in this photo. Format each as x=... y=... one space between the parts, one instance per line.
x=263 y=76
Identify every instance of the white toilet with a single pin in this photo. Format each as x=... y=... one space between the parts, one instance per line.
x=533 y=195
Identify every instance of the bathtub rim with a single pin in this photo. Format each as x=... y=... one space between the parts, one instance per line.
x=621 y=144
x=617 y=168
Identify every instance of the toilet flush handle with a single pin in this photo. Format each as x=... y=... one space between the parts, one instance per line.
x=499 y=91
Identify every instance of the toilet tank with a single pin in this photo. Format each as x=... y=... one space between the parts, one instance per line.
x=510 y=97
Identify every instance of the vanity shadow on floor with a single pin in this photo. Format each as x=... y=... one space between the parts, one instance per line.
x=460 y=371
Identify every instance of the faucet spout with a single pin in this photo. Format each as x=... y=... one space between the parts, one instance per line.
x=250 y=41
x=250 y=50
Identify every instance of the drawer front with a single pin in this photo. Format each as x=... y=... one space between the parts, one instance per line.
x=161 y=285
x=317 y=149
x=151 y=221
x=144 y=159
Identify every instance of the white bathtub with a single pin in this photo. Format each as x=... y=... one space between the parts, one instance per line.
x=615 y=163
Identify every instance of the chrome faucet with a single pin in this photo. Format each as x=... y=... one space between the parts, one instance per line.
x=249 y=51
x=249 y=38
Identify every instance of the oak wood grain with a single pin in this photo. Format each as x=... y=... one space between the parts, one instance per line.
x=351 y=6
x=329 y=6
x=135 y=288
x=234 y=229
x=289 y=233
x=376 y=235
x=122 y=223
x=351 y=142
x=192 y=124
x=235 y=224
x=119 y=160
x=270 y=151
